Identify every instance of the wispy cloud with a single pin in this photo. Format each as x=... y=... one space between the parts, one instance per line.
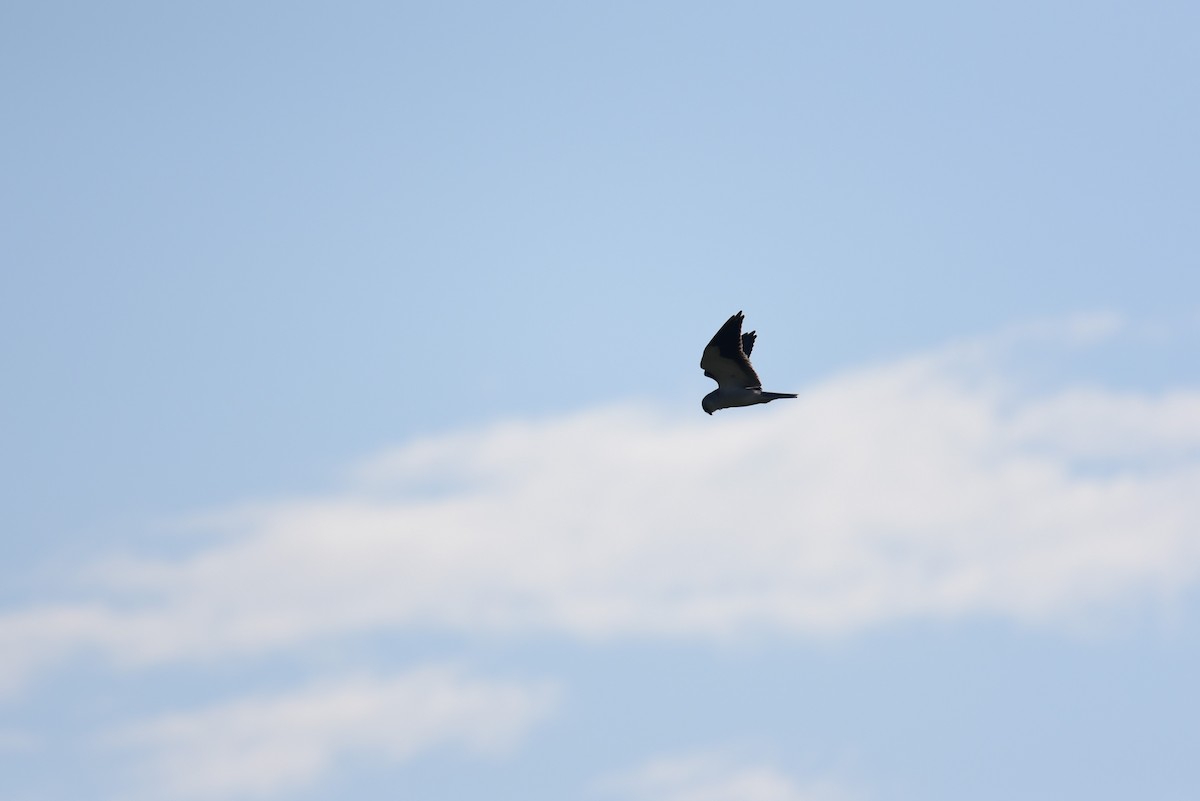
x=905 y=490
x=715 y=776
x=268 y=745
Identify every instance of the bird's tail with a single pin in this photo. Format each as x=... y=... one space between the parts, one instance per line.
x=770 y=396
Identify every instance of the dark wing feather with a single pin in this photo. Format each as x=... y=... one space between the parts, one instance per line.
x=724 y=358
x=748 y=342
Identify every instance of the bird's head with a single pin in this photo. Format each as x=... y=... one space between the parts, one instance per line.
x=708 y=404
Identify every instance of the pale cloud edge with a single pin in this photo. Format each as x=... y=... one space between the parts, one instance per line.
x=931 y=487
x=268 y=745
x=717 y=775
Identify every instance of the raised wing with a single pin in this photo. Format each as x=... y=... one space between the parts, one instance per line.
x=725 y=360
x=748 y=342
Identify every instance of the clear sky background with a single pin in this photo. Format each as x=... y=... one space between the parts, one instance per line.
x=351 y=434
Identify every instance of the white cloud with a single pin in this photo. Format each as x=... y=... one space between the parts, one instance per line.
x=930 y=487
x=266 y=746
x=715 y=777
x=33 y=638
x=1089 y=423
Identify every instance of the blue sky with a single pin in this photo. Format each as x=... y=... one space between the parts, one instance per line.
x=352 y=441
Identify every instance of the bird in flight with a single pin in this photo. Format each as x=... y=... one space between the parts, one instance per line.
x=726 y=361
